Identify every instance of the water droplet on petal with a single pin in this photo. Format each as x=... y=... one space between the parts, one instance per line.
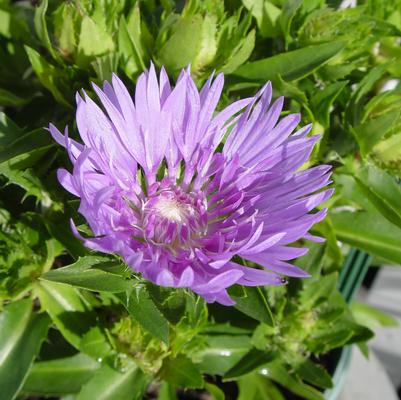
x=281 y=280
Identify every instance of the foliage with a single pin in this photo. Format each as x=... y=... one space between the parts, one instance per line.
x=74 y=323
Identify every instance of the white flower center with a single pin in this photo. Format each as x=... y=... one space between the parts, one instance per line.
x=174 y=218
x=172 y=209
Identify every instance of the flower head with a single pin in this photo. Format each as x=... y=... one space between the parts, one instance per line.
x=161 y=187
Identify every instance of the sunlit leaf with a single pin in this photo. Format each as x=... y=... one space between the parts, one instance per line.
x=254 y=304
x=371 y=316
x=60 y=376
x=86 y=273
x=143 y=309
x=48 y=75
x=291 y=65
x=22 y=333
x=67 y=309
x=41 y=27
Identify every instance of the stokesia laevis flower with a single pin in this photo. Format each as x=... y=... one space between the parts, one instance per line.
x=160 y=187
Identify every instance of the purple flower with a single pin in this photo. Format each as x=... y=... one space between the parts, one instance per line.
x=181 y=192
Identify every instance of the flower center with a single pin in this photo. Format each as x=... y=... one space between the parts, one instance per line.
x=174 y=218
x=172 y=209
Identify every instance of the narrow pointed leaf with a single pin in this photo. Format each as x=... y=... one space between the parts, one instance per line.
x=180 y=371
x=222 y=352
x=67 y=309
x=278 y=373
x=292 y=65
x=254 y=304
x=369 y=232
x=80 y=274
x=60 y=376
x=314 y=374
x=22 y=333
x=109 y=384
x=143 y=309
x=382 y=190
x=253 y=359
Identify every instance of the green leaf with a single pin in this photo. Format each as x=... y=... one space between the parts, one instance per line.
x=48 y=75
x=182 y=372
x=9 y=99
x=318 y=289
x=57 y=223
x=254 y=304
x=27 y=180
x=354 y=108
x=60 y=376
x=312 y=261
x=27 y=143
x=81 y=274
x=332 y=248
x=127 y=47
x=65 y=29
x=196 y=312
x=329 y=339
x=322 y=101
x=381 y=190
x=291 y=65
x=9 y=131
x=208 y=49
x=143 y=309
x=41 y=27
x=105 y=66
x=12 y=26
x=368 y=230
x=258 y=387
x=289 y=10
x=18 y=152
x=267 y=16
x=95 y=344
x=184 y=43
x=67 y=308
x=287 y=89
x=253 y=359
x=277 y=372
x=314 y=374
x=361 y=333
x=215 y=391
x=331 y=336
x=222 y=352
x=370 y=133
x=167 y=392
x=171 y=302
x=387 y=154
x=109 y=384
x=134 y=42
x=87 y=46
x=371 y=317
x=21 y=336
x=239 y=54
